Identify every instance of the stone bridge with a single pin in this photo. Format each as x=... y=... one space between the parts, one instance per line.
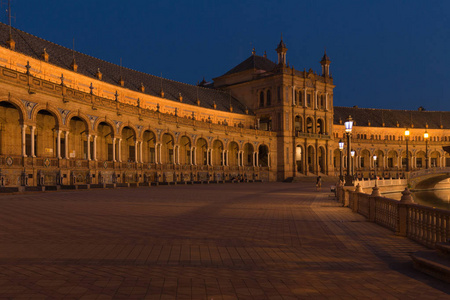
x=427 y=178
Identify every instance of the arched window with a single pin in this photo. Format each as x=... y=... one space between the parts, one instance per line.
x=261 y=99
x=269 y=98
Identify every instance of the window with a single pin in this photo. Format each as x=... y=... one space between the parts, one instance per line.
x=269 y=98
x=322 y=101
x=261 y=99
x=300 y=98
x=308 y=100
x=362 y=162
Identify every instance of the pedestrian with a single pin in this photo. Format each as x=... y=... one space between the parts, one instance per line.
x=319 y=183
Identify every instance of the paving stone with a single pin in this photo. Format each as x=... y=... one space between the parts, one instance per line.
x=240 y=241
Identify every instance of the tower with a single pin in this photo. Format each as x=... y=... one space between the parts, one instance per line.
x=281 y=50
x=325 y=62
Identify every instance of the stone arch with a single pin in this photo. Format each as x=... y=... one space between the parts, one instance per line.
x=167 y=148
x=320 y=126
x=130 y=126
x=128 y=144
x=420 y=159
x=217 y=154
x=392 y=159
x=17 y=104
x=322 y=159
x=380 y=159
x=46 y=133
x=233 y=152
x=49 y=108
x=201 y=155
x=11 y=122
x=435 y=159
x=263 y=155
x=337 y=160
x=77 y=143
x=299 y=154
x=105 y=135
x=311 y=159
x=185 y=145
x=106 y=121
x=298 y=123
x=248 y=157
x=148 y=146
x=309 y=125
x=365 y=158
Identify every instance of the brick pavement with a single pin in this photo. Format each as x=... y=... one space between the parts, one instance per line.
x=221 y=241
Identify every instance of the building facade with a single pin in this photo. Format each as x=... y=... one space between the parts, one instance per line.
x=67 y=118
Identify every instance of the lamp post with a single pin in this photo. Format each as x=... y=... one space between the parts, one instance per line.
x=353 y=163
x=348 y=130
x=425 y=136
x=375 y=167
x=341 y=147
x=407 y=152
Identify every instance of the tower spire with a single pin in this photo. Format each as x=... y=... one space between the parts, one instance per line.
x=325 y=62
x=281 y=50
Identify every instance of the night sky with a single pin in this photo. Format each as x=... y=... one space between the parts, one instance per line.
x=384 y=54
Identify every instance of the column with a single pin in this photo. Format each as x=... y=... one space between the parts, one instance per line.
x=326 y=101
x=268 y=159
x=194 y=156
x=33 y=151
x=257 y=158
x=211 y=157
x=316 y=106
x=156 y=153
x=88 y=146
x=191 y=156
x=114 y=148
x=304 y=98
x=160 y=153
x=141 y=153
x=136 y=159
x=58 y=142
x=119 y=146
x=227 y=158
x=95 y=148
x=24 y=141
x=223 y=158
x=178 y=154
x=174 y=160
x=66 y=142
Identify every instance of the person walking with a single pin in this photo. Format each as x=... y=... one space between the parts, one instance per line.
x=319 y=183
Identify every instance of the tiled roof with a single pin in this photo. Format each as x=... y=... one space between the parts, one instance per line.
x=253 y=62
x=390 y=117
x=87 y=65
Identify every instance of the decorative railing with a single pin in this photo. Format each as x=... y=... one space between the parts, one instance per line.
x=427 y=225
x=423 y=224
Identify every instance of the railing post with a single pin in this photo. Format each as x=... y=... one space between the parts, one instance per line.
x=402 y=212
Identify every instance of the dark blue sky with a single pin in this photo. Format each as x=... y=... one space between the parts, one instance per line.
x=384 y=54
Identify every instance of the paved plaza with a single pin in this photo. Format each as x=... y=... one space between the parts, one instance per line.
x=217 y=241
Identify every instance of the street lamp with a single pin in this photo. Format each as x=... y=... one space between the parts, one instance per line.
x=341 y=147
x=407 y=152
x=375 y=167
x=425 y=136
x=353 y=163
x=348 y=130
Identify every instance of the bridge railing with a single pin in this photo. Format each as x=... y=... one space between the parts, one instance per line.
x=429 y=171
x=381 y=182
x=423 y=224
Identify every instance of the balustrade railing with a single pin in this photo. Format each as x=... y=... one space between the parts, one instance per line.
x=423 y=224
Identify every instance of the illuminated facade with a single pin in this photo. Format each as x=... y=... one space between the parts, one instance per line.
x=70 y=119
